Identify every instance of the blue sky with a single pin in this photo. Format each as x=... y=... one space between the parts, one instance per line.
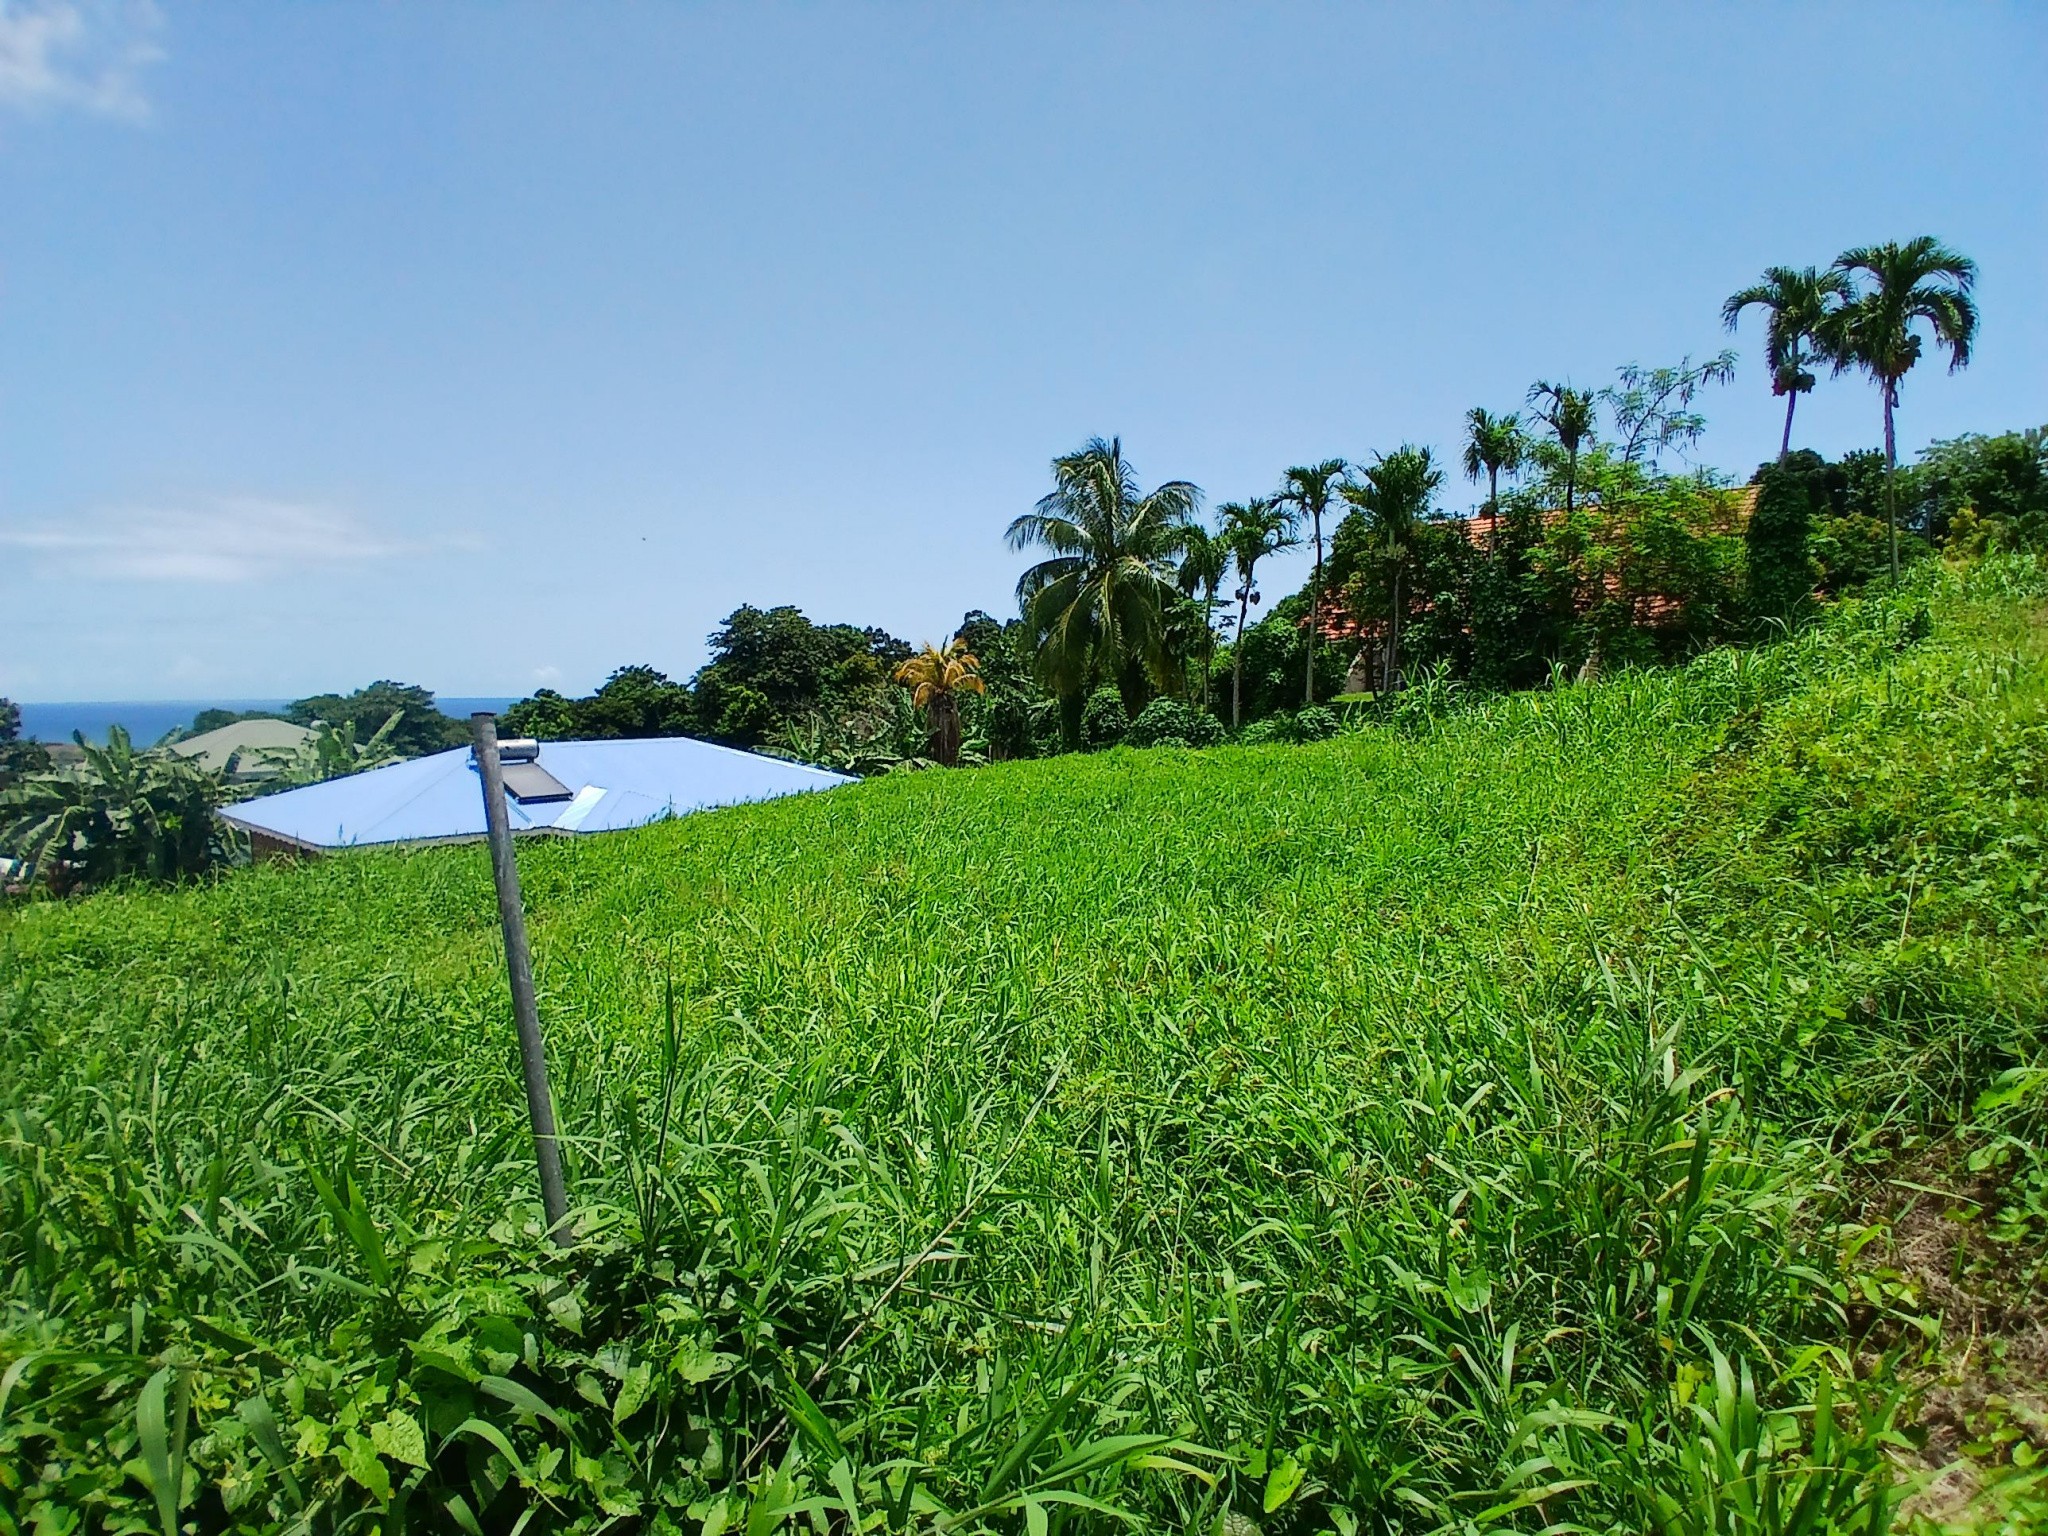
x=496 y=346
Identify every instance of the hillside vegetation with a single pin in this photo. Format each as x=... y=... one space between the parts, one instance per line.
x=1497 y=1118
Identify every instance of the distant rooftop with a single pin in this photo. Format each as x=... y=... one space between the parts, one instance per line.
x=581 y=786
x=245 y=741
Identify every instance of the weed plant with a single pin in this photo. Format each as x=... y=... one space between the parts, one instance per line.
x=1456 y=1125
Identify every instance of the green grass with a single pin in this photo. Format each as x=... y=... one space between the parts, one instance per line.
x=1458 y=1124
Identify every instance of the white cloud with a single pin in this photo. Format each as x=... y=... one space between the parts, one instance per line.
x=232 y=540
x=89 y=54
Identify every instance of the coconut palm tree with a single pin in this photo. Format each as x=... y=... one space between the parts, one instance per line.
x=936 y=677
x=1895 y=287
x=1251 y=531
x=1492 y=444
x=1395 y=493
x=1096 y=607
x=1795 y=302
x=1307 y=489
x=1203 y=561
x=1568 y=413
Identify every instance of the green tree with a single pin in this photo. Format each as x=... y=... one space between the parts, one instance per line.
x=116 y=812
x=771 y=667
x=1568 y=413
x=1997 y=485
x=1394 y=493
x=1897 y=287
x=1203 y=562
x=1795 y=301
x=1096 y=606
x=422 y=728
x=1307 y=489
x=1250 y=531
x=17 y=756
x=1493 y=445
x=1779 y=568
x=1652 y=407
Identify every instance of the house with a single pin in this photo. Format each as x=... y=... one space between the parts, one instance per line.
x=557 y=788
x=240 y=749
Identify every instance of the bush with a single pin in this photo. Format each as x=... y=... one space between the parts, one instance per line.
x=1781 y=566
x=1261 y=732
x=1316 y=723
x=1166 y=721
x=1103 y=721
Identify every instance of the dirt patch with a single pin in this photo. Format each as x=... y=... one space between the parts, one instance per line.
x=1983 y=1382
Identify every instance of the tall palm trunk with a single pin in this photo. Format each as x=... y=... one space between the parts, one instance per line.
x=1492 y=505
x=1571 y=479
x=1394 y=643
x=1315 y=614
x=1208 y=648
x=1891 y=475
x=1244 y=605
x=1785 y=445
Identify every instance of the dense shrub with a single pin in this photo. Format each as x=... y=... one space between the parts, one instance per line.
x=1781 y=570
x=1169 y=721
x=1103 y=721
x=1316 y=723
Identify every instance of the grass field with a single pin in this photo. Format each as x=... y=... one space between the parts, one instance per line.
x=1489 y=1119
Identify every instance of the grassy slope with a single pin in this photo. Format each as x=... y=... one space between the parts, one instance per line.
x=1388 y=1111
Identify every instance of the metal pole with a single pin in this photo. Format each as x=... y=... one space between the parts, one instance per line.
x=540 y=1103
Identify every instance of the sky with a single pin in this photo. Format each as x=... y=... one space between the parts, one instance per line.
x=495 y=347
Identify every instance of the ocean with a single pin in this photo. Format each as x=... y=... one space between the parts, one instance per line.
x=151 y=720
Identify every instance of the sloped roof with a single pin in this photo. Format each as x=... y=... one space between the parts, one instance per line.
x=245 y=738
x=616 y=784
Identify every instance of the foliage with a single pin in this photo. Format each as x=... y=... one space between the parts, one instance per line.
x=329 y=753
x=1270 y=657
x=938 y=677
x=1493 y=445
x=1307 y=489
x=1205 y=560
x=115 y=813
x=1103 y=721
x=1982 y=490
x=1895 y=290
x=421 y=729
x=882 y=735
x=1568 y=413
x=17 y=756
x=1442 y=1129
x=1795 y=301
x=1253 y=531
x=1381 y=542
x=771 y=666
x=1169 y=722
x=1096 y=605
x=1780 y=570
x=1652 y=407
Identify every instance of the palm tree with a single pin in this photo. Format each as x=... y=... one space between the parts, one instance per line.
x=1922 y=280
x=1795 y=301
x=1250 y=531
x=936 y=677
x=1307 y=489
x=1396 y=494
x=1492 y=444
x=1203 y=561
x=1097 y=607
x=1568 y=413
